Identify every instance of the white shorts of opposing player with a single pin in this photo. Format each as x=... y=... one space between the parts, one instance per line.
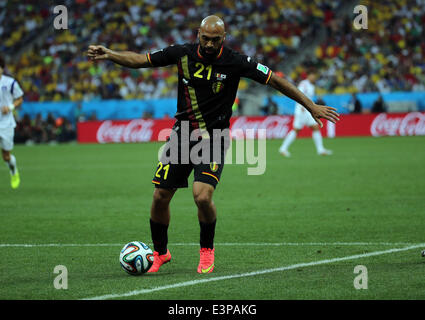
x=6 y=138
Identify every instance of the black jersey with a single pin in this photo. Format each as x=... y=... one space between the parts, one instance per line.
x=207 y=87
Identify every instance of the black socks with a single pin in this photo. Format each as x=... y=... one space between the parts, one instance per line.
x=207 y=234
x=159 y=236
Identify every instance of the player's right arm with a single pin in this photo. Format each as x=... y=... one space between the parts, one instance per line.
x=17 y=97
x=124 y=58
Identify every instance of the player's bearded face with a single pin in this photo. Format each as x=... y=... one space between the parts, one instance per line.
x=210 y=44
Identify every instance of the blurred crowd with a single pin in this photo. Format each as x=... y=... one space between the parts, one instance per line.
x=57 y=69
x=388 y=56
x=20 y=22
x=50 y=130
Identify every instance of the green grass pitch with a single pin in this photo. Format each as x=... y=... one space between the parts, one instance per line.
x=276 y=235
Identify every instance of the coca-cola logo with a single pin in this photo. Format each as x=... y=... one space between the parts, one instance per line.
x=411 y=124
x=138 y=130
x=275 y=126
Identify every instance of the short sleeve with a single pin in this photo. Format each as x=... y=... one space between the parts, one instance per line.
x=254 y=70
x=16 y=90
x=166 y=56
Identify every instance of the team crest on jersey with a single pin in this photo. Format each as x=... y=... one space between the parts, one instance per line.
x=217 y=86
x=214 y=166
x=4 y=88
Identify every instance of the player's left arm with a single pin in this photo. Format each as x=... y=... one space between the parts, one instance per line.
x=317 y=111
x=18 y=102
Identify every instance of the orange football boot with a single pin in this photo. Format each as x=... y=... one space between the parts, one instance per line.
x=159 y=260
x=206 y=260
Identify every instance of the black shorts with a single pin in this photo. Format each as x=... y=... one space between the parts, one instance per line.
x=179 y=157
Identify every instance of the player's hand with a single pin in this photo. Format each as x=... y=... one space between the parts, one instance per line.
x=324 y=112
x=5 y=110
x=98 y=52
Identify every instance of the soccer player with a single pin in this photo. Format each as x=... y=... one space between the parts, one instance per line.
x=304 y=118
x=11 y=97
x=209 y=74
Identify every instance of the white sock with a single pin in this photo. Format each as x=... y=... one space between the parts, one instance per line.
x=292 y=135
x=12 y=164
x=318 y=142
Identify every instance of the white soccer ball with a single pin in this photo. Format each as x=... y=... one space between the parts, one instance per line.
x=136 y=258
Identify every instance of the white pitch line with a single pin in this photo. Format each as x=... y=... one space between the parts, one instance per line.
x=254 y=273
x=229 y=244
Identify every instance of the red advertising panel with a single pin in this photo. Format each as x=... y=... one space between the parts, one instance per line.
x=276 y=127
x=137 y=130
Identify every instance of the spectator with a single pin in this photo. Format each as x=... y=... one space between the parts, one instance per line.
x=23 y=131
x=356 y=104
x=270 y=108
x=66 y=132
x=39 y=133
x=379 y=105
x=50 y=128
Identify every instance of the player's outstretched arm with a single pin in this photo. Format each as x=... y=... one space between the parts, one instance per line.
x=125 y=58
x=291 y=91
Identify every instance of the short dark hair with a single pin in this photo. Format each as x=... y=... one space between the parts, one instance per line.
x=2 y=62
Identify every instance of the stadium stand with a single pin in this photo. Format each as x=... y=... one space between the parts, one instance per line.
x=56 y=69
x=51 y=65
x=388 y=56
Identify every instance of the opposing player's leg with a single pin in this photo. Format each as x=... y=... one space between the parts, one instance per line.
x=318 y=141
x=6 y=141
x=297 y=125
x=290 y=137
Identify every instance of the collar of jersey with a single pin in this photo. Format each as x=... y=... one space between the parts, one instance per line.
x=217 y=57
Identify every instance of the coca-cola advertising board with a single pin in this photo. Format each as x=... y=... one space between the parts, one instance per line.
x=350 y=125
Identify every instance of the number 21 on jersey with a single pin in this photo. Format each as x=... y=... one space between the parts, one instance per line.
x=199 y=73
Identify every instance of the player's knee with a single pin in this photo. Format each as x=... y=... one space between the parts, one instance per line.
x=202 y=199
x=162 y=196
x=5 y=155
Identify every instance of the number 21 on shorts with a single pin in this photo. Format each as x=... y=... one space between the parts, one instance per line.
x=162 y=169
